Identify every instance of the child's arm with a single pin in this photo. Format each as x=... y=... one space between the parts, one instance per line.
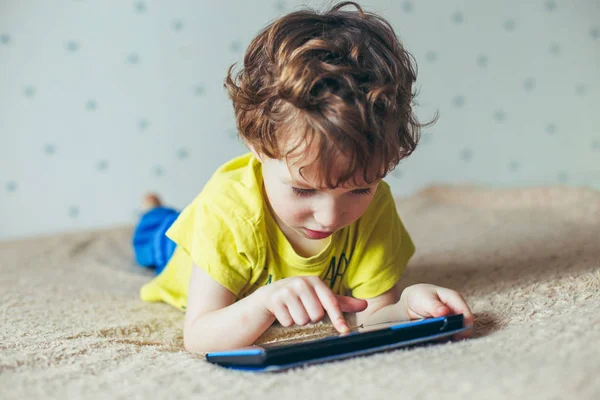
x=214 y=321
x=417 y=301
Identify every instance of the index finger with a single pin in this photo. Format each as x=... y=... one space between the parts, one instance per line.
x=455 y=302
x=330 y=303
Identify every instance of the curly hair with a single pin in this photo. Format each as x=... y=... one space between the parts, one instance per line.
x=342 y=79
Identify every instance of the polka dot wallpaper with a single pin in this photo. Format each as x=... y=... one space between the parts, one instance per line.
x=101 y=101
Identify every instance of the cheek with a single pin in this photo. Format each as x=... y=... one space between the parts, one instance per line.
x=296 y=211
x=288 y=207
x=291 y=214
x=358 y=208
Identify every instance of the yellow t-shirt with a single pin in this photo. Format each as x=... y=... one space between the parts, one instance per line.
x=229 y=231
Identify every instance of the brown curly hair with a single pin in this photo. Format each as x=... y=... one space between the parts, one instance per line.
x=341 y=78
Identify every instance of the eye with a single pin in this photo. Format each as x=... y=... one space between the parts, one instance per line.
x=303 y=192
x=362 y=192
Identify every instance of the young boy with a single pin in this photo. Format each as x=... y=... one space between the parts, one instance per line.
x=303 y=225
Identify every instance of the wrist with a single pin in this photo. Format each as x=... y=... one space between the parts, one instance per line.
x=403 y=303
x=262 y=299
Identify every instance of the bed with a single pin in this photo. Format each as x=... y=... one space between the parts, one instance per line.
x=526 y=259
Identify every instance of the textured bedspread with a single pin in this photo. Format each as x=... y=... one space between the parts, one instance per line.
x=526 y=260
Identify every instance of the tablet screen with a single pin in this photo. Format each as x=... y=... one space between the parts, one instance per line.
x=314 y=347
x=333 y=334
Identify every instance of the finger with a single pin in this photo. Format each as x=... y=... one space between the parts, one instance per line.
x=304 y=288
x=312 y=305
x=332 y=307
x=296 y=310
x=282 y=314
x=427 y=305
x=432 y=311
x=455 y=302
x=351 y=304
x=458 y=305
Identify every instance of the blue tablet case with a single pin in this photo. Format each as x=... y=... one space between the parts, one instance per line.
x=283 y=355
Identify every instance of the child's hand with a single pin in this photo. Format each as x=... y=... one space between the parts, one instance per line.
x=303 y=299
x=424 y=301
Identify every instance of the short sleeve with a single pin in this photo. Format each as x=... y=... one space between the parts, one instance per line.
x=383 y=249
x=218 y=242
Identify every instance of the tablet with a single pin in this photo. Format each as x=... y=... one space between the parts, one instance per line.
x=325 y=347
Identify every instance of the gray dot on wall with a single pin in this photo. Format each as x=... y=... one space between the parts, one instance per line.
x=50 y=149
x=509 y=25
x=499 y=115
x=140 y=7
x=182 y=154
x=550 y=5
x=431 y=56
x=29 y=91
x=551 y=128
x=102 y=165
x=529 y=84
x=595 y=33
x=396 y=173
x=458 y=101
x=158 y=170
x=91 y=105
x=514 y=166
x=407 y=6
x=11 y=187
x=482 y=60
x=580 y=89
x=458 y=17
x=596 y=144
x=562 y=177
x=235 y=46
x=74 y=212
x=72 y=46
x=143 y=124
x=199 y=90
x=554 y=48
x=133 y=58
x=466 y=155
x=5 y=38
x=177 y=25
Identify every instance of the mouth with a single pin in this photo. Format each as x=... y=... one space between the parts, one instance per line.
x=316 y=234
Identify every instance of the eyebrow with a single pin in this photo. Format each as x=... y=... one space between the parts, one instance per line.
x=305 y=186
x=302 y=185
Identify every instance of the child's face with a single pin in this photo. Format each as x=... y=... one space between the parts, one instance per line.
x=302 y=208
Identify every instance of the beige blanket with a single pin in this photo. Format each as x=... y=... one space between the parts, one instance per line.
x=526 y=260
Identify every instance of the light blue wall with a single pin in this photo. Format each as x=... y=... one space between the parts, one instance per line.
x=101 y=101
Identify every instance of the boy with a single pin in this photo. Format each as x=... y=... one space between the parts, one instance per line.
x=303 y=225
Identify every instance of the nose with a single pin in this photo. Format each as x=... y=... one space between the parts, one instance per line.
x=328 y=215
